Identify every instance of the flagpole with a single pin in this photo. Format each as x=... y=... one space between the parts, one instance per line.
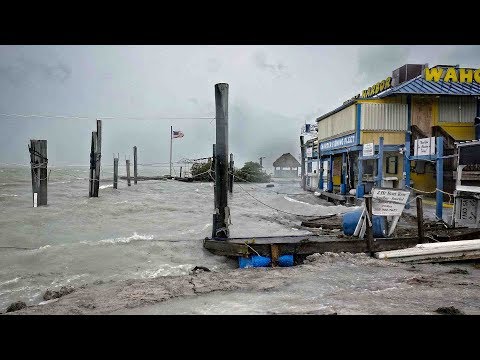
x=171 y=136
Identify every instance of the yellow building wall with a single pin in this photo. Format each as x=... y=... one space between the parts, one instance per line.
x=423 y=182
x=389 y=138
x=459 y=131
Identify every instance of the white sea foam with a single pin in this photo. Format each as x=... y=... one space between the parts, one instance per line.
x=126 y=240
x=9 y=195
x=106 y=186
x=11 y=281
x=166 y=270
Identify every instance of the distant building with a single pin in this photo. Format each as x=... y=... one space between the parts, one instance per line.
x=286 y=166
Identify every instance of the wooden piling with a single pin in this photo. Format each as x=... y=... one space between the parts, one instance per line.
x=135 y=165
x=98 y=155
x=128 y=172
x=91 y=179
x=230 y=175
x=38 y=169
x=302 y=162
x=369 y=227
x=115 y=173
x=221 y=161
x=181 y=171
x=421 y=233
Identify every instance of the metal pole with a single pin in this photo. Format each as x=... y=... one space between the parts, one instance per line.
x=302 y=151
x=408 y=139
x=221 y=161
x=439 y=169
x=379 y=179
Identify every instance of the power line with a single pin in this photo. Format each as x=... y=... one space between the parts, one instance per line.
x=112 y=117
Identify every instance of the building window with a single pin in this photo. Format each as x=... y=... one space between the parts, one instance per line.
x=309 y=167
x=392 y=164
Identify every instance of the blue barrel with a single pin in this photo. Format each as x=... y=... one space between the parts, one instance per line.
x=254 y=261
x=285 y=260
x=350 y=221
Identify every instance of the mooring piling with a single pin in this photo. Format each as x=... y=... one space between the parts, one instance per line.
x=230 y=176
x=180 y=171
x=369 y=224
x=115 y=172
x=98 y=155
x=222 y=210
x=135 y=165
x=38 y=168
x=91 y=178
x=421 y=233
x=128 y=172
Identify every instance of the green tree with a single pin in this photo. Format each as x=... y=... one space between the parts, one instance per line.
x=251 y=172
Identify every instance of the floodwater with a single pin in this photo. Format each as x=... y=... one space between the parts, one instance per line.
x=148 y=230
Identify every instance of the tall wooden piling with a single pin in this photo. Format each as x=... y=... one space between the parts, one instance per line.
x=222 y=210
x=230 y=175
x=369 y=227
x=181 y=171
x=128 y=172
x=38 y=169
x=302 y=162
x=115 y=173
x=135 y=165
x=421 y=233
x=98 y=155
x=91 y=179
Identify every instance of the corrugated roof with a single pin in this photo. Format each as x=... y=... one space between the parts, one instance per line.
x=420 y=86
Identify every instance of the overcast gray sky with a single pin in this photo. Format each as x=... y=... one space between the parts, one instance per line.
x=273 y=91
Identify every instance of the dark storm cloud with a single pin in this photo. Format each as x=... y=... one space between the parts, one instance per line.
x=24 y=70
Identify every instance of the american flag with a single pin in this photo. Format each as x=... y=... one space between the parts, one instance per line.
x=177 y=134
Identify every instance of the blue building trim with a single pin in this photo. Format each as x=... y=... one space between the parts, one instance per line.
x=358 y=122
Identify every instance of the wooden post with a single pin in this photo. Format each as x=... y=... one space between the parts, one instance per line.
x=115 y=173
x=230 y=176
x=421 y=233
x=128 y=172
x=38 y=169
x=369 y=229
x=135 y=165
x=221 y=161
x=98 y=155
x=302 y=151
x=92 y=164
x=181 y=171
x=275 y=254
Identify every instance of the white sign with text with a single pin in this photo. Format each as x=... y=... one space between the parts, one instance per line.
x=424 y=146
x=388 y=202
x=368 y=150
x=309 y=152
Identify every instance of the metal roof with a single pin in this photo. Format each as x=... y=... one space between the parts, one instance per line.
x=419 y=86
x=347 y=104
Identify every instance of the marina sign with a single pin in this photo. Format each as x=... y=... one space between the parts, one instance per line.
x=344 y=141
x=452 y=74
x=424 y=146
